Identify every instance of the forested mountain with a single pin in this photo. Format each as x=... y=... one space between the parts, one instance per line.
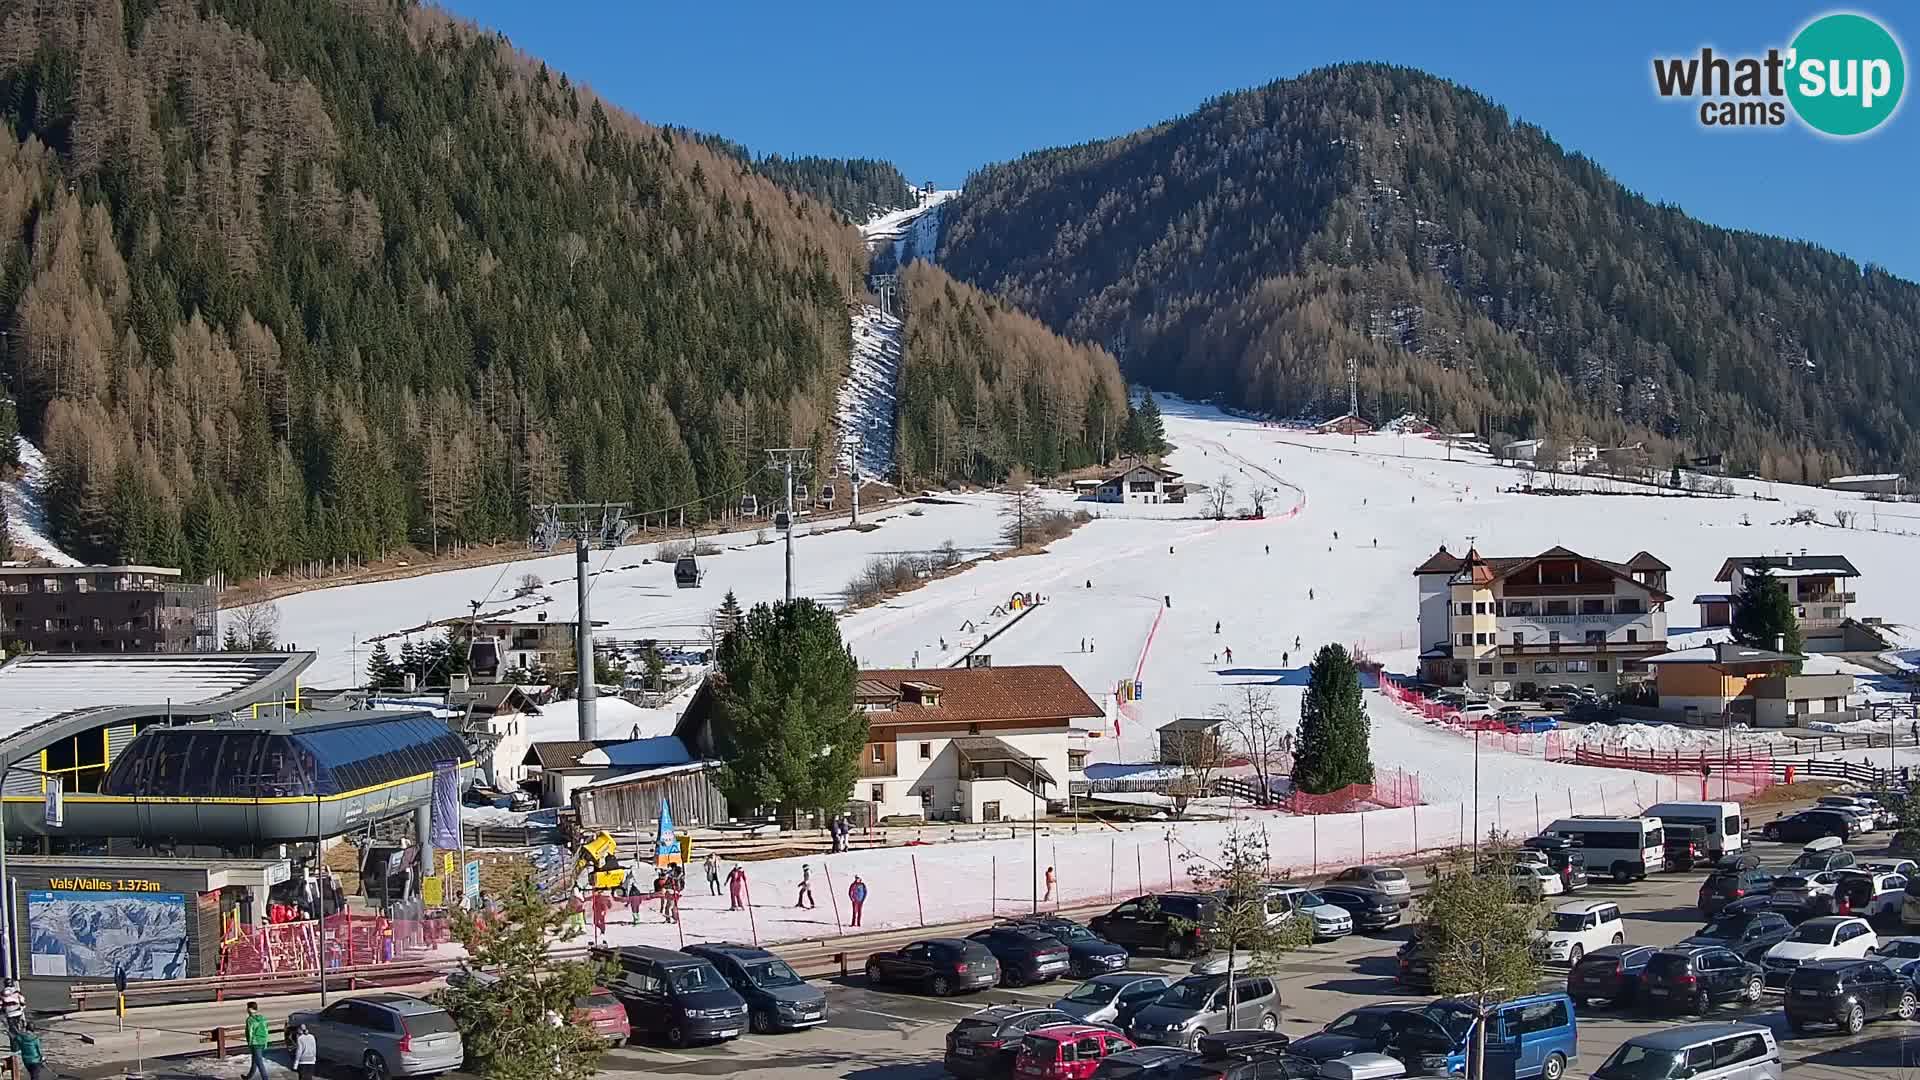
x=857 y=187
x=1477 y=272
x=984 y=387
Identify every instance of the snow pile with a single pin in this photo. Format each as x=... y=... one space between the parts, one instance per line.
x=866 y=405
x=25 y=501
x=1663 y=738
x=617 y=718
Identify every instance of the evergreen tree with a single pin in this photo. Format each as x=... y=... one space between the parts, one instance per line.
x=727 y=619
x=1763 y=616
x=381 y=671
x=516 y=1026
x=1153 y=428
x=409 y=659
x=786 y=726
x=1332 y=751
x=231 y=641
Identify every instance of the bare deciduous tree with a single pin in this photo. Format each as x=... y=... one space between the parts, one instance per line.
x=1259 y=502
x=1254 y=725
x=1198 y=755
x=1220 y=497
x=256 y=625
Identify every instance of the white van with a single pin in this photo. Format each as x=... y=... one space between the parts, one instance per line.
x=1624 y=847
x=1725 y=829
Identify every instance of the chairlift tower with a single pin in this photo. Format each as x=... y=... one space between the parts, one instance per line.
x=585 y=524
x=785 y=460
x=884 y=286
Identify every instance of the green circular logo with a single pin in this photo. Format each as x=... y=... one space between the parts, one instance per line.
x=1847 y=74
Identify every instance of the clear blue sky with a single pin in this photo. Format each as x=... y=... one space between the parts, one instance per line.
x=941 y=89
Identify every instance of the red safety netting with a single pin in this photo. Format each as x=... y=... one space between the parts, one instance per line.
x=1391 y=789
x=351 y=941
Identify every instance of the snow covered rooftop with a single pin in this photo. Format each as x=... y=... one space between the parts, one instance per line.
x=1725 y=652
x=39 y=687
x=1865 y=478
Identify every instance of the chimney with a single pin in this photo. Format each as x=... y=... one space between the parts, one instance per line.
x=542 y=616
x=457 y=683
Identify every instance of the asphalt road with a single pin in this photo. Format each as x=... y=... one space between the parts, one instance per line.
x=889 y=1035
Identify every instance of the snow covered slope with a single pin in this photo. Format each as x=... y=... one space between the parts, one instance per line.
x=867 y=398
x=25 y=502
x=909 y=234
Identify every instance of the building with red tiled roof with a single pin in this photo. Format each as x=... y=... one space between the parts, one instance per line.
x=964 y=744
x=1517 y=624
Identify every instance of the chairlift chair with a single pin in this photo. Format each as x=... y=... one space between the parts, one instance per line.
x=800 y=494
x=827 y=492
x=687 y=572
x=749 y=506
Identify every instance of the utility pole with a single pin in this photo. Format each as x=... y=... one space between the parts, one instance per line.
x=552 y=523
x=853 y=474
x=586 y=692
x=784 y=459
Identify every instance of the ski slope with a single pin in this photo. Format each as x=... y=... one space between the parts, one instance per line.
x=866 y=405
x=24 y=499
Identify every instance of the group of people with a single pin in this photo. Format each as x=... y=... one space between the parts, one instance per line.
x=306 y=1049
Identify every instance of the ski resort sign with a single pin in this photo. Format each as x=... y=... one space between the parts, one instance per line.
x=1842 y=75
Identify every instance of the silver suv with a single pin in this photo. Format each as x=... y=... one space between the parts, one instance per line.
x=1197 y=1006
x=384 y=1035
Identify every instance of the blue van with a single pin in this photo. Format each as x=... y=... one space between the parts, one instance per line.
x=1539 y=1032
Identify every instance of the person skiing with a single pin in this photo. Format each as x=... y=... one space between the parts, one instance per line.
x=713 y=874
x=736 y=887
x=1089 y=583
x=857 y=895
x=306 y=1053
x=805 y=899
x=1089 y=644
x=1296 y=641
x=1216 y=626
x=1229 y=654
x=256 y=1041
x=1050 y=883
x=1083 y=644
x=1268 y=547
x=1309 y=594
x=1169 y=599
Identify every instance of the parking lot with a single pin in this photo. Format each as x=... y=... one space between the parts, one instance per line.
x=883 y=1035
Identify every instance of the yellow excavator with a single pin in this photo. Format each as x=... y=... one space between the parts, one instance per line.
x=600 y=856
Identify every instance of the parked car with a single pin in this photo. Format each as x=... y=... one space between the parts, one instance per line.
x=1197 y=1005
x=939 y=966
x=1291 y=901
x=1737 y=860
x=1560 y=696
x=483 y=795
x=983 y=1046
x=1864 y=808
x=1367 y=909
x=675 y=996
x=1535 y=723
x=1145 y=1063
x=1686 y=846
x=1026 y=954
x=385 y=1035
x=1723 y=887
x=1174 y=923
x=1906 y=868
x=1795 y=893
x=1610 y=973
x=1846 y=994
x=1831 y=937
x=1898 y=953
x=1696 y=1051
x=1822 y=853
x=1067 y=1052
x=778 y=999
x=1693 y=978
x=1247 y=1055
x=1414 y=965
x=1560 y=856
x=1869 y=895
x=1810 y=825
x=1572 y=930
x=1435 y=1038
x=1112 y=998
x=1087 y=952
x=1749 y=933
x=1364 y=1030
x=604 y=1013
x=1535 y=880
x=1387 y=879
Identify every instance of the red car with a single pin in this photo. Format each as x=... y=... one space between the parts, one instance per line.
x=605 y=1014
x=1066 y=1052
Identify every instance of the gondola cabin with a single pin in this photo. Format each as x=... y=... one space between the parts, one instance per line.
x=826 y=495
x=687 y=572
x=749 y=506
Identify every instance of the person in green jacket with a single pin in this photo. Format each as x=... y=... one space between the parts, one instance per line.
x=256 y=1042
x=26 y=1043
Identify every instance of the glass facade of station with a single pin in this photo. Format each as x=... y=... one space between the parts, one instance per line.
x=217 y=762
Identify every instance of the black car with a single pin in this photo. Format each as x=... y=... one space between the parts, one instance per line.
x=1847 y=994
x=1686 y=846
x=940 y=966
x=1361 y=1031
x=1737 y=860
x=1371 y=909
x=1145 y=1063
x=1809 y=825
x=1611 y=973
x=778 y=999
x=1415 y=966
x=673 y=995
x=1247 y=1055
x=1749 y=933
x=1088 y=954
x=1723 y=887
x=983 y=1045
x=1027 y=954
x=1172 y=922
x=1692 y=978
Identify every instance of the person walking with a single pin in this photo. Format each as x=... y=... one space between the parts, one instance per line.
x=1050 y=881
x=662 y=883
x=306 y=1053
x=713 y=873
x=256 y=1042
x=676 y=884
x=634 y=904
x=805 y=899
x=601 y=904
x=736 y=888
x=15 y=1004
x=857 y=895
x=26 y=1043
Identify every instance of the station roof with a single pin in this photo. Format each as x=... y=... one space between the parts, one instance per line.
x=40 y=687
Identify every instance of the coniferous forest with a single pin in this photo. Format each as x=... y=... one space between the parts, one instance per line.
x=1478 y=274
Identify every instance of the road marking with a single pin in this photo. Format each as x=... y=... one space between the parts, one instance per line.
x=643 y=1052
x=891 y=1016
